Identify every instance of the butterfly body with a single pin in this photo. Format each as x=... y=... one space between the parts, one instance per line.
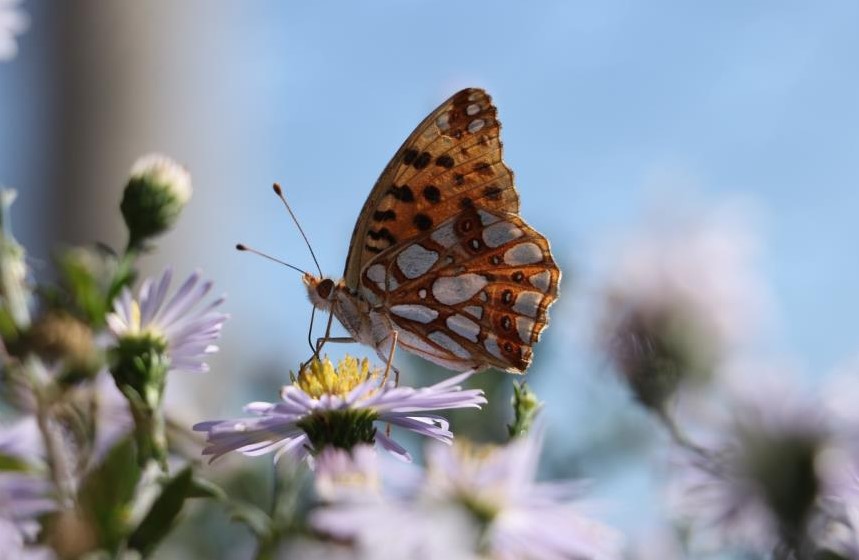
x=440 y=255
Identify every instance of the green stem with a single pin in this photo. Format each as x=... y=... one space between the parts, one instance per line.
x=679 y=437
x=58 y=466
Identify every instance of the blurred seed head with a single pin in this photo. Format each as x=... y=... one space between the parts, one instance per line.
x=58 y=337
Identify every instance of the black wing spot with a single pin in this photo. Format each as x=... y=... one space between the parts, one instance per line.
x=465 y=203
x=507 y=297
x=383 y=233
x=492 y=192
x=517 y=276
x=384 y=215
x=465 y=225
x=422 y=160
x=409 y=156
x=506 y=323
x=508 y=347
x=432 y=194
x=445 y=161
x=422 y=222
x=458 y=178
x=403 y=194
x=483 y=168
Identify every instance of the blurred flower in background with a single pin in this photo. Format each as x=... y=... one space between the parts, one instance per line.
x=762 y=481
x=680 y=298
x=501 y=512
x=13 y=22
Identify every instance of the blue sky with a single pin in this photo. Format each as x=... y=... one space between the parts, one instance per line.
x=602 y=104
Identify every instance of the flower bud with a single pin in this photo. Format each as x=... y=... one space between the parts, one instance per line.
x=14 y=292
x=525 y=408
x=156 y=192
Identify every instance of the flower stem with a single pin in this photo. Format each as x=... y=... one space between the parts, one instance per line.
x=55 y=456
x=678 y=436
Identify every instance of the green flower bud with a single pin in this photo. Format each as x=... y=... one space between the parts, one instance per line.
x=14 y=292
x=525 y=408
x=155 y=195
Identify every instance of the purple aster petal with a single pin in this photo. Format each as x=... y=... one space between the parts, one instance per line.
x=393 y=447
x=189 y=335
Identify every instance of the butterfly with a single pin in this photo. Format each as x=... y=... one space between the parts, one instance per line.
x=440 y=263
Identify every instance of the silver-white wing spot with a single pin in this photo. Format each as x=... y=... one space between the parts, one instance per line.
x=472 y=109
x=377 y=273
x=418 y=342
x=414 y=261
x=414 y=312
x=475 y=125
x=527 y=303
x=444 y=236
x=486 y=218
x=491 y=345
x=449 y=344
x=524 y=325
x=443 y=121
x=474 y=311
x=464 y=327
x=498 y=234
x=524 y=253
x=451 y=290
x=541 y=280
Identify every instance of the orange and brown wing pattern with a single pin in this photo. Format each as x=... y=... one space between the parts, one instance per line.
x=452 y=161
x=473 y=292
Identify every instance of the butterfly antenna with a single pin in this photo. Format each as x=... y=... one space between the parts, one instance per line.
x=279 y=192
x=243 y=247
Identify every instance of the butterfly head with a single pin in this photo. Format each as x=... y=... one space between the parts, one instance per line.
x=320 y=290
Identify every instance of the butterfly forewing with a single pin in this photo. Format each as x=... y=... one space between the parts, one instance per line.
x=472 y=292
x=451 y=162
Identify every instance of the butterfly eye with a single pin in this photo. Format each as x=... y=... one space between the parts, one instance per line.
x=325 y=288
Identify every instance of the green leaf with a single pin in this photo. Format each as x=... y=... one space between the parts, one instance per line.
x=163 y=513
x=10 y=463
x=106 y=493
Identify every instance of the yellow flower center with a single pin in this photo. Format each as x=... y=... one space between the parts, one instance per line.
x=322 y=378
x=134 y=320
x=482 y=501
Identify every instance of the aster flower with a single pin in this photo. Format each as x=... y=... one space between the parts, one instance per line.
x=679 y=299
x=12 y=22
x=347 y=474
x=340 y=407
x=153 y=336
x=495 y=508
x=184 y=334
x=760 y=483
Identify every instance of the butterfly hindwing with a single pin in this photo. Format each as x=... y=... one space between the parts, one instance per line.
x=452 y=161
x=474 y=291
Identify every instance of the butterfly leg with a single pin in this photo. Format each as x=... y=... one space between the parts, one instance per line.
x=389 y=361
x=321 y=342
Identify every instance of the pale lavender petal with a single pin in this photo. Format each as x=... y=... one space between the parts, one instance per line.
x=393 y=447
